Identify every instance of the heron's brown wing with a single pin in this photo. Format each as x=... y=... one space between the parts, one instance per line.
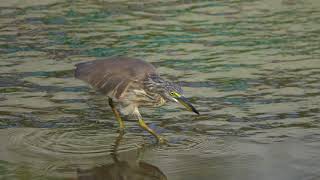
x=113 y=75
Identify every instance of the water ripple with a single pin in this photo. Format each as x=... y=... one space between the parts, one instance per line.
x=65 y=142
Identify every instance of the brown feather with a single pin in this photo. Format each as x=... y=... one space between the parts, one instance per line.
x=114 y=75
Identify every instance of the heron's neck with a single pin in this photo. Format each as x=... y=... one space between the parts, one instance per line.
x=154 y=83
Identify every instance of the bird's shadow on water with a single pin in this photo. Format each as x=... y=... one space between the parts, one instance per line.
x=132 y=168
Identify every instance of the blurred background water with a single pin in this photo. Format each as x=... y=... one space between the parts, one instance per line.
x=251 y=67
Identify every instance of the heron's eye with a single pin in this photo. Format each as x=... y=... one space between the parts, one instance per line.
x=172 y=93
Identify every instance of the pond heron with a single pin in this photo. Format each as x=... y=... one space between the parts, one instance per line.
x=130 y=83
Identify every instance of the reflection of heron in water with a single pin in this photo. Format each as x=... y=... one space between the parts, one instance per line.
x=123 y=169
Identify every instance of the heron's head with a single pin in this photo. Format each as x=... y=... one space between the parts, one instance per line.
x=171 y=92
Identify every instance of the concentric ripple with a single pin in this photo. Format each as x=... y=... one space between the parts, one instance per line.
x=68 y=142
x=194 y=143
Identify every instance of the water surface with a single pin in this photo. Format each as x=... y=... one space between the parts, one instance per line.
x=251 y=68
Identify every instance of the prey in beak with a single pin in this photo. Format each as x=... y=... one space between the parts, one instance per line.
x=184 y=101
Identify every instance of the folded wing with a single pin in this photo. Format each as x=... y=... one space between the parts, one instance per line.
x=113 y=76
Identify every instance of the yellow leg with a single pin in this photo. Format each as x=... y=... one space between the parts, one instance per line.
x=116 y=114
x=146 y=127
x=114 y=151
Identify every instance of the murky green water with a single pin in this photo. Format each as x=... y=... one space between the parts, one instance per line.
x=251 y=67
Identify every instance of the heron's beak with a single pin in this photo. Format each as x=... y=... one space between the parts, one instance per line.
x=185 y=102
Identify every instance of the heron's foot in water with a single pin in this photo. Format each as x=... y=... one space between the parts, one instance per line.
x=161 y=140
